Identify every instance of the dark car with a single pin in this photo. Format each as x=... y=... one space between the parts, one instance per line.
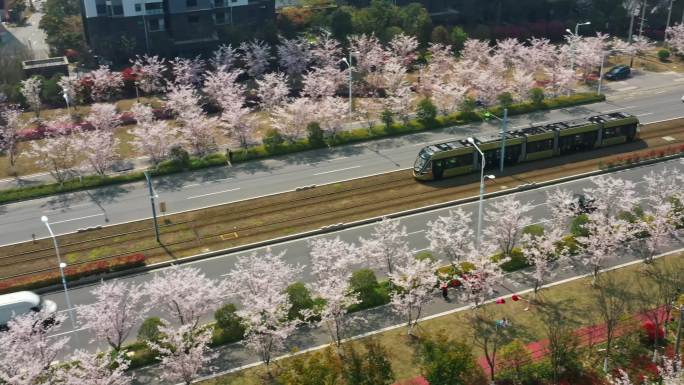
x=618 y=72
x=583 y=205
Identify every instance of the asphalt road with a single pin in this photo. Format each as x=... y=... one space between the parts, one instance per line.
x=297 y=252
x=180 y=192
x=30 y=36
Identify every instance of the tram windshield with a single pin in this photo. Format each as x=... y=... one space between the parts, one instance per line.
x=421 y=161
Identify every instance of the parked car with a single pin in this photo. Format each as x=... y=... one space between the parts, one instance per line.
x=619 y=72
x=23 y=302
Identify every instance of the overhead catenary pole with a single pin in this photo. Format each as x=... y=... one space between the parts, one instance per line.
x=504 y=129
x=669 y=17
x=154 y=209
x=600 y=79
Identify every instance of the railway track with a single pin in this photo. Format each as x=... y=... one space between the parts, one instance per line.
x=264 y=218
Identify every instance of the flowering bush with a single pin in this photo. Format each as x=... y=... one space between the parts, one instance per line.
x=650 y=330
x=72 y=272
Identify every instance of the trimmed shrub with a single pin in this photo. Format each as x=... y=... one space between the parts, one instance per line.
x=537 y=96
x=426 y=255
x=228 y=327
x=517 y=260
x=371 y=293
x=387 y=118
x=149 y=330
x=315 y=135
x=536 y=230
x=179 y=155
x=73 y=272
x=426 y=112
x=300 y=298
x=577 y=227
x=272 y=140
x=505 y=99
x=663 y=54
x=142 y=355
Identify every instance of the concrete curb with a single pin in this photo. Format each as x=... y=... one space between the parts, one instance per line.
x=342 y=226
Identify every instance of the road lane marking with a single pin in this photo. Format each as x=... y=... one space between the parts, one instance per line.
x=340 y=158
x=69 y=332
x=342 y=169
x=617 y=109
x=213 y=193
x=209 y=181
x=626 y=88
x=75 y=219
x=415 y=232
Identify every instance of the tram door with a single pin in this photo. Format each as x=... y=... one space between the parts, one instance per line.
x=492 y=158
x=513 y=154
x=438 y=169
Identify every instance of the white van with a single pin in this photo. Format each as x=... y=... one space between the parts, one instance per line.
x=22 y=302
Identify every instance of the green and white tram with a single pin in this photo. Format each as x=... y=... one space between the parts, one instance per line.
x=458 y=157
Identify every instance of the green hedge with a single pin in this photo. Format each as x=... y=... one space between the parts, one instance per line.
x=259 y=152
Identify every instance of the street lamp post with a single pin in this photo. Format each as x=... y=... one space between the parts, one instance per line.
x=504 y=130
x=349 y=66
x=62 y=265
x=572 y=46
x=65 y=95
x=482 y=186
x=154 y=209
x=600 y=79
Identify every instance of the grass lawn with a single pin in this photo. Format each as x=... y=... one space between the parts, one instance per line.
x=528 y=324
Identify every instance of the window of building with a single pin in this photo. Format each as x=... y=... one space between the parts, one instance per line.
x=138 y=7
x=192 y=19
x=101 y=9
x=153 y=6
x=117 y=9
x=155 y=24
x=220 y=17
x=218 y=3
x=190 y=3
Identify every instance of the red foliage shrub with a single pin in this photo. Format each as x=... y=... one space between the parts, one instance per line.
x=649 y=328
x=74 y=272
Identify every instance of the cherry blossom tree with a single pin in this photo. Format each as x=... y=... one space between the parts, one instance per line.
x=401 y=102
x=404 y=48
x=393 y=76
x=186 y=294
x=489 y=84
x=103 y=117
x=612 y=196
x=224 y=58
x=562 y=204
x=259 y=283
x=387 y=244
x=11 y=125
x=521 y=84
x=105 y=84
x=476 y=51
x=368 y=110
x=240 y=125
x=605 y=237
x=326 y=51
x=149 y=73
x=200 y=134
x=451 y=235
x=544 y=252
x=256 y=55
x=142 y=113
x=447 y=96
x=30 y=90
x=330 y=113
x=415 y=281
x=507 y=219
x=622 y=378
x=184 y=351
x=294 y=55
x=675 y=37
x=72 y=86
x=479 y=282
x=154 y=138
x=367 y=51
x=292 y=118
x=588 y=51
x=115 y=313
x=99 y=148
x=322 y=82
x=223 y=89
x=28 y=349
x=187 y=72
x=561 y=80
x=272 y=90
x=58 y=154
x=95 y=369
x=331 y=266
x=510 y=51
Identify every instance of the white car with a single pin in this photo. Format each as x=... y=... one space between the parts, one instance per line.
x=683 y=98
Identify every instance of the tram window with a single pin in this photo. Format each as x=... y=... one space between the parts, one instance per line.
x=540 y=145
x=611 y=132
x=451 y=163
x=459 y=161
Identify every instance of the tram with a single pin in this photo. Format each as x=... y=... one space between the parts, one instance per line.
x=459 y=157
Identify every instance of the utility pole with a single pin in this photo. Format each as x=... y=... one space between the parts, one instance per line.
x=154 y=209
x=669 y=15
x=643 y=18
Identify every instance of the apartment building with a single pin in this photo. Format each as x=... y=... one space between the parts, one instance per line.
x=167 y=27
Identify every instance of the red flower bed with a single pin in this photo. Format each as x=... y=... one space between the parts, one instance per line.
x=650 y=330
x=72 y=273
